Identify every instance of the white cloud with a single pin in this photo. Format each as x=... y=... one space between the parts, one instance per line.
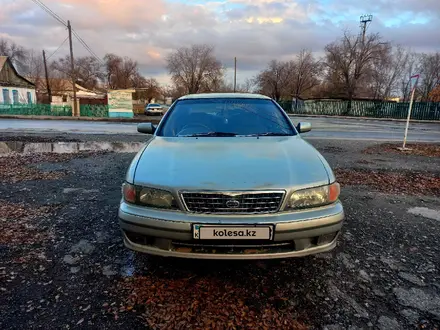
x=255 y=31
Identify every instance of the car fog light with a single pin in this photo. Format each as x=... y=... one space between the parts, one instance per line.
x=326 y=238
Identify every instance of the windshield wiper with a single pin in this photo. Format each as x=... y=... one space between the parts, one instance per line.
x=211 y=134
x=271 y=134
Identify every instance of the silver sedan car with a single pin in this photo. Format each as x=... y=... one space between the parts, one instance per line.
x=228 y=176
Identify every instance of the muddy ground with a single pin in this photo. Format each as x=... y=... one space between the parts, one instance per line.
x=63 y=264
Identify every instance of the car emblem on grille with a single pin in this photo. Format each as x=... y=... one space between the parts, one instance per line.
x=232 y=203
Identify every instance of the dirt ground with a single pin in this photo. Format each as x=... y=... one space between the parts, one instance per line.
x=63 y=265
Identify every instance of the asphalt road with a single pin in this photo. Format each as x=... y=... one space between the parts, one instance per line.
x=323 y=128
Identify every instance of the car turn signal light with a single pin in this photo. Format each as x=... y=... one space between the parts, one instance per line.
x=129 y=192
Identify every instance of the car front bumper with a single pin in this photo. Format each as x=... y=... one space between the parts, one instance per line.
x=169 y=233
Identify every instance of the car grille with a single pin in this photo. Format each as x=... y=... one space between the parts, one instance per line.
x=221 y=202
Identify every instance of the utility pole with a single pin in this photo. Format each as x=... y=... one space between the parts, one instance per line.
x=365 y=21
x=49 y=93
x=235 y=74
x=75 y=108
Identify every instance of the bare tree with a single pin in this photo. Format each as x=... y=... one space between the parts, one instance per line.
x=173 y=91
x=153 y=89
x=273 y=81
x=195 y=68
x=16 y=53
x=387 y=70
x=410 y=69
x=350 y=59
x=121 y=72
x=148 y=89
x=33 y=68
x=304 y=74
x=138 y=81
x=429 y=70
x=248 y=86
x=88 y=70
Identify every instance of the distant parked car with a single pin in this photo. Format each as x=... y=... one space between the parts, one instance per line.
x=154 y=109
x=228 y=176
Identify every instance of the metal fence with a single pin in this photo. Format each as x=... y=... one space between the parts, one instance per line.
x=374 y=109
x=35 y=110
x=93 y=110
x=86 y=110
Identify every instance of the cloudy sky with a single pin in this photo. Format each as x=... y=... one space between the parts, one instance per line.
x=255 y=31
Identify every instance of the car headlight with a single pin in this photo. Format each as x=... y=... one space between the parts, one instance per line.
x=313 y=197
x=148 y=196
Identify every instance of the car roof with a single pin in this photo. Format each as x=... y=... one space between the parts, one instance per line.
x=224 y=95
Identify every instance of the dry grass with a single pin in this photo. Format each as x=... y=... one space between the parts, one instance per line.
x=202 y=303
x=404 y=182
x=15 y=168
x=419 y=149
x=19 y=225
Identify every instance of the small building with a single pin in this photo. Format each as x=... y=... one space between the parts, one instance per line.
x=14 y=89
x=62 y=93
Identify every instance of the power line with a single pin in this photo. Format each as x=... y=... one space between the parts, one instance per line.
x=58 y=48
x=81 y=40
x=49 y=11
x=63 y=22
x=61 y=45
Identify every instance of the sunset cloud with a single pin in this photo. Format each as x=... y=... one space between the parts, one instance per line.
x=255 y=31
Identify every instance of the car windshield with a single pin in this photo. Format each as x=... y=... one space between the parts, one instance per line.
x=226 y=117
x=154 y=105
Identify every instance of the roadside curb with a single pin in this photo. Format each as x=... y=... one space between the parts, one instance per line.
x=292 y=115
x=153 y=120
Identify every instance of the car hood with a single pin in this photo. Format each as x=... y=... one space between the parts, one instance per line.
x=232 y=163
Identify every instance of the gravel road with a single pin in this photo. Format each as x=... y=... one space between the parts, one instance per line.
x=63 y=264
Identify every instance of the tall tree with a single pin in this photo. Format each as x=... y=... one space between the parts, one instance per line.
x=429 y=73
x=412 y=65
x=350 y=59
x=304 y=74
x=121 y=72
x=273 y=81
x=33 y=68
x=88 y=70
x=195 y=68
x=148 y=89
x=387 y=70
x=16 y=53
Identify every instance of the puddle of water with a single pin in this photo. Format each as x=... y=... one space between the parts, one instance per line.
x=14 y=147
x=425 y=212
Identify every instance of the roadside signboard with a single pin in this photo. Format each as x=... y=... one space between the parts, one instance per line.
x=120 y=103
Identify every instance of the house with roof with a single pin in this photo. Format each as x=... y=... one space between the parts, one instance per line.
x=62 y=92
x=14 y=89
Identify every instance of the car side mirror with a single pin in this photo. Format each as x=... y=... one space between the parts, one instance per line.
x=304 y=127
x=146 y=128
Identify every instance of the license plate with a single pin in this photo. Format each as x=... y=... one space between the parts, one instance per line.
x=232 y=232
